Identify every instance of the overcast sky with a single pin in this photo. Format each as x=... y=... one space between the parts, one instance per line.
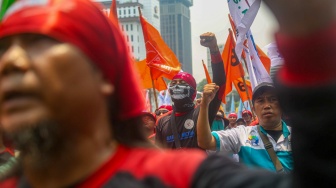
x=212 y=16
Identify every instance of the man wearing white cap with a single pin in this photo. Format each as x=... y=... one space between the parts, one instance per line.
x=253 y=144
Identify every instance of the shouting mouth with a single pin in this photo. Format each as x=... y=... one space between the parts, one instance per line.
x=12 y=101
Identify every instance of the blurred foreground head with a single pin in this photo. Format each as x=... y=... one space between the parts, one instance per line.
x=64 y=61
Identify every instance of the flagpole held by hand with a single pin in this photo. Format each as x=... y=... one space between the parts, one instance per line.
x=154 y=91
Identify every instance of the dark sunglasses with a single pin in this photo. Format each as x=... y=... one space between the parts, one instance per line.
x=159 y=112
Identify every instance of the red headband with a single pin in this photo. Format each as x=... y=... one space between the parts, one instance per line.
x=167 y=107
x=82 y=24
x=187 y=78
x=247 y=112
x=233 y=115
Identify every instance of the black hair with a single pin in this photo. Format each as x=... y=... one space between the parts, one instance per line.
x=149 y=115
x=130 y=132
x=240 y=119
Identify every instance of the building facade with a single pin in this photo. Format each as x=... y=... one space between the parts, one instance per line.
x=128 y=15
x=176 y=29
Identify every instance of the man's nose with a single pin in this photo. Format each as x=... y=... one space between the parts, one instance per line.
x=267 y=104
x=14 y=60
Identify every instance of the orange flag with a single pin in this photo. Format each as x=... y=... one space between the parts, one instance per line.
x=239 y=84
x=265 y=60
x=113 y=11
x=160 y=58
x=233 y=26
x=232 y=66
x=207 y=75
x=144 y=72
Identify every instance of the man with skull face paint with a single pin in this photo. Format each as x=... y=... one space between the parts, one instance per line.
x=183 y=92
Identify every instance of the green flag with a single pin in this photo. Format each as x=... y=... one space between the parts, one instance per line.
x=5 y=4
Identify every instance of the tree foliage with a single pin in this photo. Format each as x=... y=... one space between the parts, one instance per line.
x=201 y=85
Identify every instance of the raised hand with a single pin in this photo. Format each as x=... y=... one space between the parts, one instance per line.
x=209 y=40
x=209 y=93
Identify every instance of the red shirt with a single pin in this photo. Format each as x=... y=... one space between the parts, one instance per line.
x=174 y=168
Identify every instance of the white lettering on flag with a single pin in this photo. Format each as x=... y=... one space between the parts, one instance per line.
x=243 y=13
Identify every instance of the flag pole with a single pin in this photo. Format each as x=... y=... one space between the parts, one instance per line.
x=150 y=100
x=206 y=73
x=154 y=90
x=243 y=77
x=247 y=93
x=150 y=70
x=248 y=97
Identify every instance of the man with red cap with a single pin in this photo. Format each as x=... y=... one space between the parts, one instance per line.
x=162 y=110
x=178 y=129
x=148 y=120
x=232 y=120
x=247 y=116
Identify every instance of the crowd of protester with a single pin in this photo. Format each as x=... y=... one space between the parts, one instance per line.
x=72 y=109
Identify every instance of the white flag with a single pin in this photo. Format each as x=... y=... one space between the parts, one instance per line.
x=250 y=69
x=260 y=72
x=243 y=13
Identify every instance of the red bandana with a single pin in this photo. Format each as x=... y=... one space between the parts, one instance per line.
x=81 y=23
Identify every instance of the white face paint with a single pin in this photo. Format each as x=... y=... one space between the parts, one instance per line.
x=179 y=92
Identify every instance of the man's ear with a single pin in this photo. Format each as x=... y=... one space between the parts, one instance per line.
x=107 y=88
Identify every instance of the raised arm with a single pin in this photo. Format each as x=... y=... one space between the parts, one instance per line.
x=209 y=40
x=204 y=136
